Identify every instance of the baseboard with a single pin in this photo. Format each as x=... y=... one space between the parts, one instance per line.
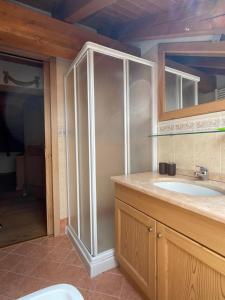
x=103 y=262
x=95 y=265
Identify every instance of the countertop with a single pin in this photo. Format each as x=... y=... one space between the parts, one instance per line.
x=211 y=207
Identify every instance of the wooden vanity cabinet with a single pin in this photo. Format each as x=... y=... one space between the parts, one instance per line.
x=186 y=270
x=165 y=264
x=136 y=246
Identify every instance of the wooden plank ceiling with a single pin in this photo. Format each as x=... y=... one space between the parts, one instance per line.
x=138 y=20
x=208 y=64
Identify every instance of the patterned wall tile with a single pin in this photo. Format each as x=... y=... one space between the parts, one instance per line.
x=187 y=151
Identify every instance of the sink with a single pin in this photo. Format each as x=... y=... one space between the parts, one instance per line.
x=187 y=188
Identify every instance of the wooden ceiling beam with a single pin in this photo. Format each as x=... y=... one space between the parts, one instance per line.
x=78 y=10
x=28 y=30
x=195 y=18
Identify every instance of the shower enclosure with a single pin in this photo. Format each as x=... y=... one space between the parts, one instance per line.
x=108 y=104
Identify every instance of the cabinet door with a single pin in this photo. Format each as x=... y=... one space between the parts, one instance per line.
x=136 y=246
x=187 y=270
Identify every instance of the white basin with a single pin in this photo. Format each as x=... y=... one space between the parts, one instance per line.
x=187 y=188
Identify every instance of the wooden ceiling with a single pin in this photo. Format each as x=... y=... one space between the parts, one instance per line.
x=112 y=18
x=48 y=6
x=138 y=20
x=29 y=33
x=208 y=64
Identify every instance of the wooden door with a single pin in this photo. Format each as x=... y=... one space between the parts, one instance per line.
x=136 y=246
x=187 y=270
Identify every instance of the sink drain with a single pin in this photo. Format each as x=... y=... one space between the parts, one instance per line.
x=1 y=226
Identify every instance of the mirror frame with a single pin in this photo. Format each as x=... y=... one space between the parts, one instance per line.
x=215 y=49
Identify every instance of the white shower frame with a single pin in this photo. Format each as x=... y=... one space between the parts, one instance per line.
x=101 y=262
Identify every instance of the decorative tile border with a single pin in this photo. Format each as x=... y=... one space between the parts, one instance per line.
x=207 y=122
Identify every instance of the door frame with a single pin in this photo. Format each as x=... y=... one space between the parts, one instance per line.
x=51 y=137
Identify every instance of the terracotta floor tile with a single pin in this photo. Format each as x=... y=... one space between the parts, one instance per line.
x=30 y=266
x=24 y=248
x=108 y=283
x=39 y=241
x=31 y=285
x=128 y=292
x=11 y=285
x=85 y=281
x=49 y=241
x=64 y=242
x=100 y=296
x=86 y=293
x=46 y=270
x=2 y=254
x=26 y=265
x=40 y=252
x=2 y=297
x=2 y=273
x=69 y=274
x=58 y=254
x=74 y=259
x=10 y=249
x=9 y=261
x=115 y=271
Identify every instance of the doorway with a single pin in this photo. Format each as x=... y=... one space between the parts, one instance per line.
x=22 y=150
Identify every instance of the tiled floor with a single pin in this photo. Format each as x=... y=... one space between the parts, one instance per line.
x=29 y=266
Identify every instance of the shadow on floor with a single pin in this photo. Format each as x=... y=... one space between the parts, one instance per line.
x=21 y=218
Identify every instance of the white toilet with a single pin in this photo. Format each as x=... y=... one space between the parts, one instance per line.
x=58 y=291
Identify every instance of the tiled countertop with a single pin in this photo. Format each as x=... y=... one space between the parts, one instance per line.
x=212 y=207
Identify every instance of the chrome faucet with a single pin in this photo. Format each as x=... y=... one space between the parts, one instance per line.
x=201 y=173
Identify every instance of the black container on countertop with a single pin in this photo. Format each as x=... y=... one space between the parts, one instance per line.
x=163 y=168
x=171 y=169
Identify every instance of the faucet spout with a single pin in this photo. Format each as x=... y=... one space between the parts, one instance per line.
x=201 y=172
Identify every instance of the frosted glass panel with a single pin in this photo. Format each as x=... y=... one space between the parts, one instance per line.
x=188 y=90
x=109 y=120
x=82 y=114
x=71 y=158
x=173 y=91
x=140 y=117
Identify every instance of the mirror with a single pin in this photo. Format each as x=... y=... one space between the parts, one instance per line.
x=193 y=80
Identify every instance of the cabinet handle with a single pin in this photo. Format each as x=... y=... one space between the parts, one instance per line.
x=150 y=229
x=159 y=235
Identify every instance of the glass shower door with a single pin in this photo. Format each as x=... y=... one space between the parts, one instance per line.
x=140 y=87
x=108 y=121
x=71 y=152
x=83 y=152
x=109 y=141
